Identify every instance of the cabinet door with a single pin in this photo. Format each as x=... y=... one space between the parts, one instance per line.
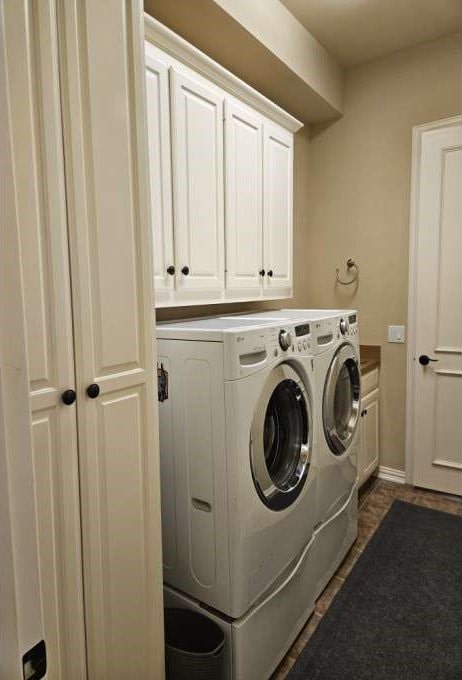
x=244 y=188
x=158 y=108
x=197 y=139
x=369 y=434
x=105 y=136
x=277 y=207
x=48 y=571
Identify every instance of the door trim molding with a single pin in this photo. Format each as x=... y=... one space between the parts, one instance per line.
x=417 y=134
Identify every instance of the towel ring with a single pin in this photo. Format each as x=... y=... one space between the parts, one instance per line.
x=351 y=264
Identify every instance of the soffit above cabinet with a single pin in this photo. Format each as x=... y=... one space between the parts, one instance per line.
x=281 y=59
x=173 y=44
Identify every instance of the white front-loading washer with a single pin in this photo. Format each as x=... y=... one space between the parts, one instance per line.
x=238 y=472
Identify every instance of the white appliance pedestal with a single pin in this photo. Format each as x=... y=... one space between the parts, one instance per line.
x=258 y=641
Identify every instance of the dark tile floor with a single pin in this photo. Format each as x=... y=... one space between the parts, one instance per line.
x=374 y=501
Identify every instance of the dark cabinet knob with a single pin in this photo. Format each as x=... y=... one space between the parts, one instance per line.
x=185 y=270
x=171 y=270
x=93 y=391
x=424 y=360
x=270 y=273
x=262 y=272
x=68 y=397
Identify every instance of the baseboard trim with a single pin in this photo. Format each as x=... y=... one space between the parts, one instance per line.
x=392 y=475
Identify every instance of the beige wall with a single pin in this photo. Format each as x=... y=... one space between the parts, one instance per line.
x=358 y=200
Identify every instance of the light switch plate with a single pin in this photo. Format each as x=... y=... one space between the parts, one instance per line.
x=395 y=333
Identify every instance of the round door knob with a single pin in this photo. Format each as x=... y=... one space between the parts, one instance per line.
x=93 y=391
x=270 y=273
x=171 y=270
x=285 y=339
x=262 y=272
x=185 y=270
x=424 y=360
x=68 y=397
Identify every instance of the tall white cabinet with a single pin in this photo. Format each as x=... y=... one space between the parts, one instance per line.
x=82 y=197
x=229 y=172
x=54 y=579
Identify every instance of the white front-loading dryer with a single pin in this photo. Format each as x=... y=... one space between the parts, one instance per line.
x=335 y=354
x=338 y=388
x=238 y=472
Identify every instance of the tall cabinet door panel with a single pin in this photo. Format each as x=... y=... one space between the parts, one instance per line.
x=197 y=138
x=244 y=172
x=158 y=107
x=277 y=207
x=106 y=142
x=50 y=480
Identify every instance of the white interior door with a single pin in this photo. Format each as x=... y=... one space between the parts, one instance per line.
x=244 y=172
x=436 y=309
x=277 y=206
x=105 y=136
x=32 y=52
x=197 y=139
x=158 y=107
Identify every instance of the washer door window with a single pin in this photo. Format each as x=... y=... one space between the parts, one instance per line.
x=340 y=408
x=280 y=444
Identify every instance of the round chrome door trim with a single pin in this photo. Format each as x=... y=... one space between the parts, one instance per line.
x=339 y=442
x=278 y=494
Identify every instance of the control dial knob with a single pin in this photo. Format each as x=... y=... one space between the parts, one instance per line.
x=344 y=326
x=285 y=339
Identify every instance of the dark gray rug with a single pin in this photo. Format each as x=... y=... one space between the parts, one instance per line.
x=398 y=615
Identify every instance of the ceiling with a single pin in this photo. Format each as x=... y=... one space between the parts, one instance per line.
x=356 y=31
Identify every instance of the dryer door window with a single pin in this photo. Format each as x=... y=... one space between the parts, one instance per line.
x=280 y=438
x=340 y=408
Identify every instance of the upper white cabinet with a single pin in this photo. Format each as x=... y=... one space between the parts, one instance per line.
x=277 y=207
x=197 y=147
x=244 y=199
x=157 y=95
x=221 y=167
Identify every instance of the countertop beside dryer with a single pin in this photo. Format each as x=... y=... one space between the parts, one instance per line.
x=370 y=358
